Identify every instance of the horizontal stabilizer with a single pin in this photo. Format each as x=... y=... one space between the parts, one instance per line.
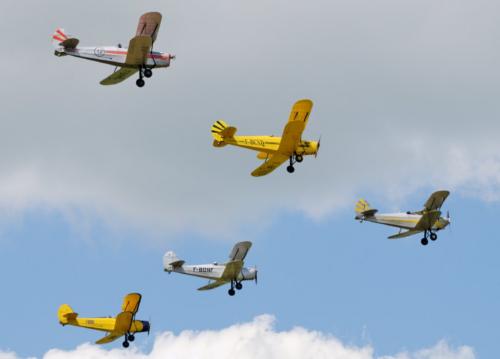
x=71 y=43
x=178 y=263
x=66 y=314
x=171 y=262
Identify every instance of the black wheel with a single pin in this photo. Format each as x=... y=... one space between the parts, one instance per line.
x=424 y=241
x=239 y=286
x=140 y=82
x=231 y=292
x=131 y=337
x=125 y=344
x=434 y=236
x=299 y=158
x=148 y=73
x=290 y=169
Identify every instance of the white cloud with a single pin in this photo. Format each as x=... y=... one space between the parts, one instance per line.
x=405 y=99
x=257 y=339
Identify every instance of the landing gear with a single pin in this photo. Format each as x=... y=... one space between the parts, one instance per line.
x=424 y=241
x=131 y=337
x=148 y=73
x=290 y=169
x=231 y=292
x=299 y=158
x=140 y=82
x=125 y=344
x=433 y=236
x=239 y=286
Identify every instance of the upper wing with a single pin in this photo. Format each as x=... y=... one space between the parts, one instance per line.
x=427 y=220
x=270 y=165
x=138 y=49
x=240 y=251
x=436 y=200
x=297 y=122
x=109 y=338
x=149 y=23
x=232 y=270
x=410 y=232
x=119 y=76
x=213 y=285
x=131 y=303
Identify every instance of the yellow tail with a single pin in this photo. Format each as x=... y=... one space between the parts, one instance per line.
x=362 y=206
x=222 y=131
x=66 y=314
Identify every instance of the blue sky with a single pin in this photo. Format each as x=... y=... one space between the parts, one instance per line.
x=96 y=183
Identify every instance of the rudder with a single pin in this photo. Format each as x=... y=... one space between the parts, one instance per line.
x=222 y=131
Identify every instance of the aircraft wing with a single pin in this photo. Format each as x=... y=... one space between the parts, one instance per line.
x=270 y=165
x=131 y=303
x=109 y=338
x=232 y=270
x=240 y=251
x=138 y=48
x=119 y=76
x=436 y=200
x=408 y=233
x=213 y=285
x=427 y=220
x=149 y=23
x=292 y=134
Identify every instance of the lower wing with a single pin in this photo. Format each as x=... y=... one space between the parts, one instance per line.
x=408 y=233
x=270 y=165
x=119 y=76
x=213 y=285
x=428 y=220
x=109 y=338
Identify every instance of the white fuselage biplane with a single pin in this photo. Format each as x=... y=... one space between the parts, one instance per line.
x=231 y=272
x=428 y=220
x=138 y=57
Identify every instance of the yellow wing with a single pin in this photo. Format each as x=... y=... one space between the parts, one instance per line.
x=109 y=338
x=232 y=270
x=122 y=326
x=131 y=303
x=138 y=49
x=213 y=285
x=436 y=200
x=119 y=76
x=149 y=23
x=270 y=165
x=292 y=134
x=427 y=220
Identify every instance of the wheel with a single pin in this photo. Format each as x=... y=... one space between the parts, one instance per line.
x=148 y=73
x=125 y=344
x=290 y=169
x=131 y=337
x=239 y=286
x=140 y=82
x=299 y=158
x=424 y=241
x=434 y=236
x=231 y=292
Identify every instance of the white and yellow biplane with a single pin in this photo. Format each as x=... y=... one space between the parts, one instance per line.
x=428 y=220
x=232 y=272
x=139 y=57
x=124 y=324
x=273 y=150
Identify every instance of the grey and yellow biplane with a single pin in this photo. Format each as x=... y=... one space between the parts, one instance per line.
x=427 y=220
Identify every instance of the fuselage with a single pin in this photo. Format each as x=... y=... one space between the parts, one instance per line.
x=270 y=144
x=405 y=220
x=107 y=324
x=114 y=55
x=213 y=271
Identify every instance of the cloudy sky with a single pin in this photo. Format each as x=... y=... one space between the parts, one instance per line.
x=97 y=182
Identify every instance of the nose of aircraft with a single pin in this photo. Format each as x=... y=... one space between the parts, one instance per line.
x=145 y=326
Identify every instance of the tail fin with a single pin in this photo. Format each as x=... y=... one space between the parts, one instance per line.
x=363 y=209
x=66 y=314
x=60 y=38
x=171 y=262
x=222 y=131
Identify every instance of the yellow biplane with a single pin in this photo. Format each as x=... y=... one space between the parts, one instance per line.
x=273 y=150
x=124 y=324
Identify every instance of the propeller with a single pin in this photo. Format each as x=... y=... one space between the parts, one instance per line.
x=317 y=148
x=256 y=271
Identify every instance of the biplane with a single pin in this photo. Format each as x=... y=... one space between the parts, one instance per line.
x=124 y=324
x=138 y=57
x=273 y=150
x=232 y=272
x=427 y=220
